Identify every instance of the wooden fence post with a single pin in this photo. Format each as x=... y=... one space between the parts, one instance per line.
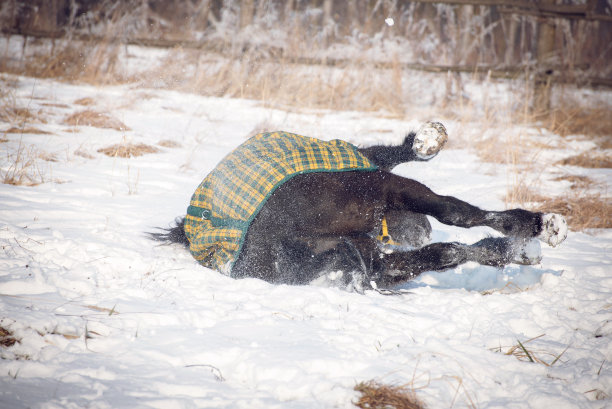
x=247 y=10
x=545 y=50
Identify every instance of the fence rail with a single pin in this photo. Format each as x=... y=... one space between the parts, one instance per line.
x=585 y=11
x=549 y=74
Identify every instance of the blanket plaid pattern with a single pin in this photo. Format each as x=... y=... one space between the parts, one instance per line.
x=229 y=198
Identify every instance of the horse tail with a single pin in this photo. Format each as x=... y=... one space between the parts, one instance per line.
x=174 y=234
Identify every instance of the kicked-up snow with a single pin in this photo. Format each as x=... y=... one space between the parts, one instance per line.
x=95 y=315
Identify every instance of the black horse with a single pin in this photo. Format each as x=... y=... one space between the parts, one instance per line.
x=327 y=226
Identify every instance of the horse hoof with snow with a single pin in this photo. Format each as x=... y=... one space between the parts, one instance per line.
x=291 y=209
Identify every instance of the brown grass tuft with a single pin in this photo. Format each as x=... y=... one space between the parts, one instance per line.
x=27 y=129
x=574 y=119
x=87 y=101
x=577 y=181
x=95 y=119
x=590 y=159
x=583 y=211
x=523 y=195
x=168 y=143
x=55 y=105
x=378 y=396
x=6 y=338
x=128 y=150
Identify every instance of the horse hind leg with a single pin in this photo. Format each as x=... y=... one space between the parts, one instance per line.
x=333 y=261
x=498 y=252
x=429 y=140
x=492 y=251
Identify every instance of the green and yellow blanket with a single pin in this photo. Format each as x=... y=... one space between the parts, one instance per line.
x=228 y=199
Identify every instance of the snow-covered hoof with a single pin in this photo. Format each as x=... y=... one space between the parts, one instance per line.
x=527 y=252
x=429 y=139
x=554 y=229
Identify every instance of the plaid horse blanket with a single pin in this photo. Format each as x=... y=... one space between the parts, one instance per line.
x=228 y=199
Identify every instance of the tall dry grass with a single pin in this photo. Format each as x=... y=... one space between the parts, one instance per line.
x=284 y=83
x=23 y=167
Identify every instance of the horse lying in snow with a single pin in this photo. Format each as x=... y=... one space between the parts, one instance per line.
x=291 y=209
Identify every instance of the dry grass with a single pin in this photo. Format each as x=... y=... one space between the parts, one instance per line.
x=96 y=119
x=21 y=167
x=7 y=339
x=375 y=395
x=27 y=129
x=582 y=211
x=573 y=118
x=521 y=352
x=11 y=113
x=577 y=181
x=590 y=159
x=283 y=83
x=55 y=105
x=523 y=194
x=86 y=101
x=94 y=63
x=128 y=150
x=168 y=143
x=582 y=208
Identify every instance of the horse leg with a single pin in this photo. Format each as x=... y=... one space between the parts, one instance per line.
x=301 y=260
x=417 y=146
x=497 y=252
x=407 y=194
x=355 y=261
x=338 y=261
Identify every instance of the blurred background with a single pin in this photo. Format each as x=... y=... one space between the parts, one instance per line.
x=246 y=48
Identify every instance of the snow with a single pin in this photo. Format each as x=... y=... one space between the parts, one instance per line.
x=105 y=318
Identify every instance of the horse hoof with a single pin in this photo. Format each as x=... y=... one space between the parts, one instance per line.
x=554 y=229
x=528 y=253
x=430 y=138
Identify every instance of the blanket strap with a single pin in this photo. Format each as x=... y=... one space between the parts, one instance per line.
x=384 y=236
x=206 y=214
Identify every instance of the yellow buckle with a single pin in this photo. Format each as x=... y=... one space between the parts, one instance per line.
x=385 y=237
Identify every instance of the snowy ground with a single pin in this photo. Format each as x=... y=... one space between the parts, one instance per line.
x=105 y=319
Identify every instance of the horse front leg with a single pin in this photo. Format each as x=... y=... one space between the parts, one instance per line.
x=407 y=194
